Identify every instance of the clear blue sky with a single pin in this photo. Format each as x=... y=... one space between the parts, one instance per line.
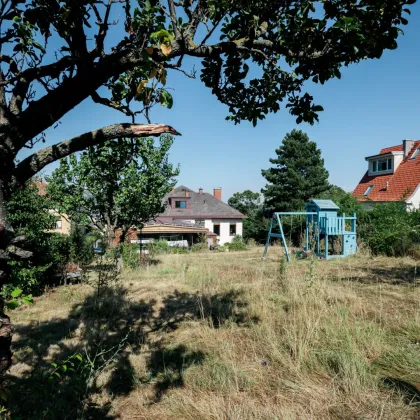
x=374 y=105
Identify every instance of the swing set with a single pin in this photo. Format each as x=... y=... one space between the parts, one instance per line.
x=323 y=226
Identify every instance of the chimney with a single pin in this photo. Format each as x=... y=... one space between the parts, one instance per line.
x=407 y=146
x=200 y=191
x=187 y=193
x=173 y=189
x=217 y=192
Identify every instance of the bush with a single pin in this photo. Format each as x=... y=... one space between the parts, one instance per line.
x=81 y=247
x=390 y=229
x=158 y=247
x=130 y=255
x=237 y=244
x=200 y=247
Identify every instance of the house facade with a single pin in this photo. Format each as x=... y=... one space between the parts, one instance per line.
x=392 y=175
x=62 y=222
x=188 y=211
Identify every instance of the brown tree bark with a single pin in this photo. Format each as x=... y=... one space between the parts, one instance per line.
x=6 y=329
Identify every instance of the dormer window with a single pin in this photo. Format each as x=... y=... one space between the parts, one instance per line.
x=180 y=204
x=382 y=165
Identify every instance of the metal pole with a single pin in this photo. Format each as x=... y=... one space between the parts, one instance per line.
x=267 y=243
x=283 y=238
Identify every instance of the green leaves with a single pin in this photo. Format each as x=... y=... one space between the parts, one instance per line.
x=12 y=304
x=16 y=293
x=166 y=99
x=117 y=184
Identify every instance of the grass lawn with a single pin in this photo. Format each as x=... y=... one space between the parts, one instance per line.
x=226 y=336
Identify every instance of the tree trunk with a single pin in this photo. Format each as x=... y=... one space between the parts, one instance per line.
x=111 y=237
x=6 y=329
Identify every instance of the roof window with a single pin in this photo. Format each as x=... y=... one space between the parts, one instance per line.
x=415 y=154
x=369 y=189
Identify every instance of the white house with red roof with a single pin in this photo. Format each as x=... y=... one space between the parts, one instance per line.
x=392 y=175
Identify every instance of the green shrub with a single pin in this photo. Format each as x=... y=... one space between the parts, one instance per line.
x=81 y=247
x=158 y=247
x=237 y=244
x=130 y=255
x=200 y=247
x=390 y=229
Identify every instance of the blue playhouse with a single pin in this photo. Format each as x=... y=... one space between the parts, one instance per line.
x=323 y=225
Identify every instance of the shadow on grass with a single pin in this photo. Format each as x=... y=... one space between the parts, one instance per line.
x=102 y=324
x=401 y=276
x=410 y=392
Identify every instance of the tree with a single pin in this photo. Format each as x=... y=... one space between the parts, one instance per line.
x=246 y=202
x=32 y=216
x=56 y=55
x=249 y=203
x=298 y=174
x=346 y=201
x=115 y=185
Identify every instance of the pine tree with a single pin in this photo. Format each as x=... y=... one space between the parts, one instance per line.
x=297 y=174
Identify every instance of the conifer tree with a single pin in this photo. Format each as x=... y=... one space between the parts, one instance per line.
x=297 y=174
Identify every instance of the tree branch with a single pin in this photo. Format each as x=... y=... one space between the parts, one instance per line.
x=103 y=29
x=37 y=161
x=172 y=12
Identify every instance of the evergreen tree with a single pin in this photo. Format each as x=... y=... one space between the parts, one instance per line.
x=255 y=225
x=297 y=174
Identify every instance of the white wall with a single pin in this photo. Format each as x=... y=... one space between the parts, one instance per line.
x=224 y=228
x=413 y=202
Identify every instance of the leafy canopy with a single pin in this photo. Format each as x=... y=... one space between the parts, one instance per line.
x=115 y=185
x=255 y=55
x=297 y=174
x=247 y=202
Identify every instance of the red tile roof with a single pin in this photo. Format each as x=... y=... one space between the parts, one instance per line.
x=401 y=184
x=42 y=187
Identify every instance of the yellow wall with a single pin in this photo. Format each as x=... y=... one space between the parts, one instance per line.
x=63 y=224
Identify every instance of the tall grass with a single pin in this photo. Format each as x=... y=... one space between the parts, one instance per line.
x=227 y=336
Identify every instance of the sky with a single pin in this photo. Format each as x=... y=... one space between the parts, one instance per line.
x=374 y=105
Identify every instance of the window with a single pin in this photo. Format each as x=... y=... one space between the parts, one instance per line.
x=369 y=189
x=180 y=204
x=58 y=224
x=232 y=229
x=216 y=229
x=415 y=154
x=382 y=165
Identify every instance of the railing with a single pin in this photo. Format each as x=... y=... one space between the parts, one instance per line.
x=337 y=225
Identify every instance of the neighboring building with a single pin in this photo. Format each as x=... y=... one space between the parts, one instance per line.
x=189 y=214
x=205 y=210
x=392 y=175
x=62 y=224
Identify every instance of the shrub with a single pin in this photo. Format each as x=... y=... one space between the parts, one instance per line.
x=237 y=244
x=130 y=255
x=158 y=247
x=200 y=247
x=390 y=229
x=81 y=247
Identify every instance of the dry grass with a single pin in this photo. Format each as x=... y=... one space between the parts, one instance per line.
x=228 y=336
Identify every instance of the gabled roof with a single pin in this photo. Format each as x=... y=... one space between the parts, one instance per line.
x=324 y=204
x=401 y=184
x=203 y=205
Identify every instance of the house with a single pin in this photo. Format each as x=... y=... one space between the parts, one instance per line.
x=189 y=214
x=62 y=223
x=392 y=175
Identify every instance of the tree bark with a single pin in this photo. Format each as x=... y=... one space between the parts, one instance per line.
x=6 y=329
x=37 y=161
